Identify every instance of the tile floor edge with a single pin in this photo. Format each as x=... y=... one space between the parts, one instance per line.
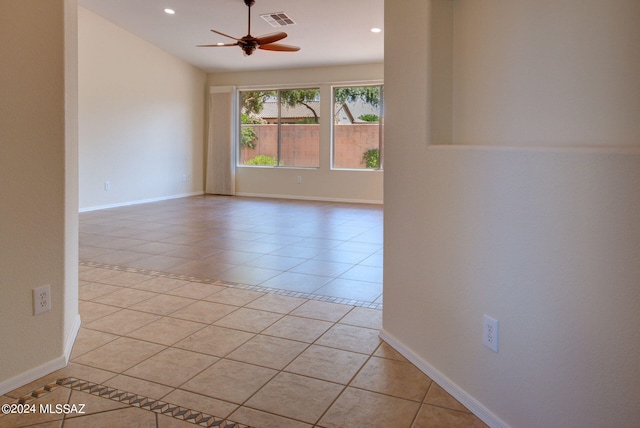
x=133 y=400
x=269 y=290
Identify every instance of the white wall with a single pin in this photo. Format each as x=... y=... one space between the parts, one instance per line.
x=549 y=73
x=38 y=166
x=141 y=118
x=540 y=229
x=317 y=183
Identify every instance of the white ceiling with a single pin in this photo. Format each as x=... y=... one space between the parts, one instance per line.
x=328 y=32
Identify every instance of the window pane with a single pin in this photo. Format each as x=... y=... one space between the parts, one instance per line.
x=357 y=130
x=258 y=128
x=300 y=128
x=280 y=128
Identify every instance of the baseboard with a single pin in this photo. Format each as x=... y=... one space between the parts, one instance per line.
x=45 y=369
x=458 y=393
x=140 y=201
x=310 y=198
x=33 y=374
x=68 y=346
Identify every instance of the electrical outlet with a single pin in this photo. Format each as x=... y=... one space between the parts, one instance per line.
x=299 y=179
x=41 y=299
x=107 y=185
x=490 y=333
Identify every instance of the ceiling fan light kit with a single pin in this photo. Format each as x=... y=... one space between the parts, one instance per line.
x=249 y=43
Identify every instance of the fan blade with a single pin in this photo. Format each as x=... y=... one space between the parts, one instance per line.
x=270 y=38
x=217 y=45
x=226 y=35
x=279 y=47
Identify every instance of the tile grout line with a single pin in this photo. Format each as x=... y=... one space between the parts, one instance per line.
x=268 y=290
x=133 y=400
x=346 y=385
x=334 y=322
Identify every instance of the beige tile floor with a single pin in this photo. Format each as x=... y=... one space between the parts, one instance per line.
x=167 y=347
x=310 y=248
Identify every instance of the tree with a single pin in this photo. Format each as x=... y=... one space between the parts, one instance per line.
x=253 y=101
x=367 y=94
x=294 y=97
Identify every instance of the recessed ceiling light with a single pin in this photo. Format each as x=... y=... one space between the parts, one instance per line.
x=169 y=11
x=376 y=30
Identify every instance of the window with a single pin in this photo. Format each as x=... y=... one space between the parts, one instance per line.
x=280 y=128
x=358 y=125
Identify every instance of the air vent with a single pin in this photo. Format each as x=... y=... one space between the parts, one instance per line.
x=278 y=19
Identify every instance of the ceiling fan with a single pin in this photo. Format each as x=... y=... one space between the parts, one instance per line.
x=249 y=44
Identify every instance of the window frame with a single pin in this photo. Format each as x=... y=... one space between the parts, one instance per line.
x=278 y=89
x=380 y=124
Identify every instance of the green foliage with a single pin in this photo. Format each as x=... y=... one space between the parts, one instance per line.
x=371 y=158
x=367 y=94
x=262 y=160
x=294 y=97
x=248 y=137
x=369 y=117
x=253 y=101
